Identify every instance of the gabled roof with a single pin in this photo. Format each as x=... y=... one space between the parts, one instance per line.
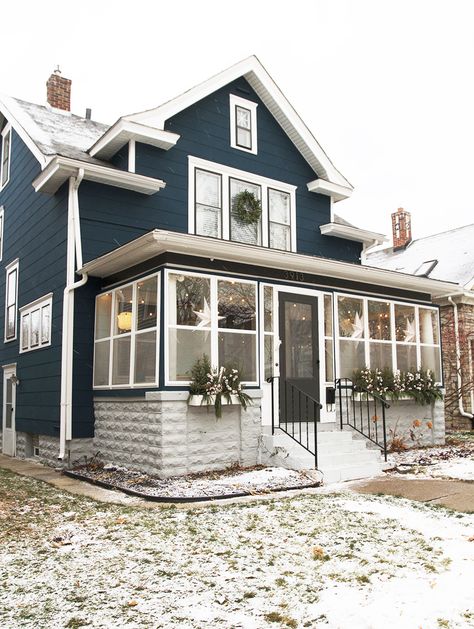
x=453 y=251
x=268 y=91
x=49 y=132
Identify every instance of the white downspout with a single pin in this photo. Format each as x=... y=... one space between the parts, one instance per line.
x=74 y=262
x=458 y=359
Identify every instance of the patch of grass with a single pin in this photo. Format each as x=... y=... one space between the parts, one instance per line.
x=75 y=623
x=286 y=621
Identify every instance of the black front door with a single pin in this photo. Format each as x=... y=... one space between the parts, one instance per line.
x=299 y=356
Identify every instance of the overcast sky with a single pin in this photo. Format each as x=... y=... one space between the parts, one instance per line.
x=385 y=86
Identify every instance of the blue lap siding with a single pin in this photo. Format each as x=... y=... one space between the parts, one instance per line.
x=34 y=232
x=110 y=217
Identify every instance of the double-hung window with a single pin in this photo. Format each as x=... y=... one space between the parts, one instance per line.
x=126 y=341
x=243 y=124
x=35 y=324
x=6 y=152
x=213 y=191
x=11 y=300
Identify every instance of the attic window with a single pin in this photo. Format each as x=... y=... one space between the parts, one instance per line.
x=6 y=151
x=243 y=124
x=425 y=268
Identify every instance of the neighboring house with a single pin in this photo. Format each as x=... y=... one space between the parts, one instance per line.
x=125 y=262
x=446 y=256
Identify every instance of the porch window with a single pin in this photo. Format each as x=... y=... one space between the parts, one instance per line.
x=213 y=316
x=268 y=331
x=328 y=338
x=383 y=334
x=126 y=321
x=213 y=189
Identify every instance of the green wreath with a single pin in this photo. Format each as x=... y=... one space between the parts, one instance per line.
x=247 y=208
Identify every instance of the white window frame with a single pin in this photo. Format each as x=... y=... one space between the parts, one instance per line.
x=13 y=266
x=2 y=230
x=393 y=342
x=227 y=173
x=237 y=101
x=6 y=131
x=214 y=327
x=132 y=334
x=26 y=311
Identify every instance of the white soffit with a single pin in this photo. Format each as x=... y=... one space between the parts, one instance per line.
x=160 y=241
x=335 y=191
x=125 y=130
x=353 y=233
x=61 y=168
x=263 y=84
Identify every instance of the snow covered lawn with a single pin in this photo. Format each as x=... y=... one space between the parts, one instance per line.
x=320 y=560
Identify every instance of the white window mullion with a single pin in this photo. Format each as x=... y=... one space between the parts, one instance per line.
x=214 y=323
x=225 y=207
x=393 y=335
x=111 y=340
x=133 y=334
x=365 y=312
x=417 y=337
x=265 y=217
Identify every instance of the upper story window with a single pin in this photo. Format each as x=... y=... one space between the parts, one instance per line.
x=243 y=124
x=11 y=300
x=6 y=152
x=2 y=221
x=126 y=341
x=35 y=324
x=212 y=190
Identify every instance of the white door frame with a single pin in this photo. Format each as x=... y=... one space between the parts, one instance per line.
x=9 y=434
x=326 y=415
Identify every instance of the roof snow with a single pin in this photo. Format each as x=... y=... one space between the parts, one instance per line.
x=58 y=133
x=452 y=250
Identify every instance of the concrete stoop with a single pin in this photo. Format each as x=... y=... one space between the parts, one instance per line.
x=341 y=456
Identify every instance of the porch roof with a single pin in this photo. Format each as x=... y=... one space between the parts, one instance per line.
x=159 y=241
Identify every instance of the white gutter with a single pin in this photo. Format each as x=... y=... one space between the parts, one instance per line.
x=458 y=360
x=74 y=261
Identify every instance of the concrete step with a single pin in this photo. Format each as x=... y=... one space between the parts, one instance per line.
x=341 y=456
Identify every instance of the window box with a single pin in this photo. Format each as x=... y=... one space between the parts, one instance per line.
x=198 y=400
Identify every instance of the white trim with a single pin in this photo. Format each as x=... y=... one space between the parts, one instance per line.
x=13 y=266
x=60 y=169
x=125 y=130
x=160 y=241
x=270 y=94
x=27 y=311
x=2 y=230
x=8 y=372
x=227 y=173
x=335 y=191
x=131 y=156
x=132 y=335
x=20 y=121
x=214 y=328
x=353 y=233
x=237 y=101
x=7 y=130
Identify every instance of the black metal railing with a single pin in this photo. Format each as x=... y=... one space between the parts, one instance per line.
x=363 y=411
x=298 y=416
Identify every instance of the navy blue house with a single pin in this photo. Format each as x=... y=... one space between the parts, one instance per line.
x=204 y=226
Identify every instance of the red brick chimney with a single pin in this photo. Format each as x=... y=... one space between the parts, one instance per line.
x=59 y=91
x=401 y=228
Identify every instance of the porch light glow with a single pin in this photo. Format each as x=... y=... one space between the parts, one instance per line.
x=124 y=321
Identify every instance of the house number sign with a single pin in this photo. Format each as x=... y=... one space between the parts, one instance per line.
x=294 y=276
